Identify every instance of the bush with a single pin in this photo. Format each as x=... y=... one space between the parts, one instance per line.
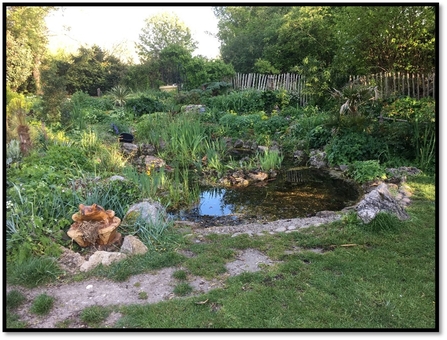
x=363 y=171
x=144 y=104
x=353 y=146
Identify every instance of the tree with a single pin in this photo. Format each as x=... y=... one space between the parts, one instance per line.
x=385 y=38
x=26 y=41
x=248 y=33
x=161 y=31
x=92 y=68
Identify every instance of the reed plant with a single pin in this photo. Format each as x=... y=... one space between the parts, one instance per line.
x=270 y=160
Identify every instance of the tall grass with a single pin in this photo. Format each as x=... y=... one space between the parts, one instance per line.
x=270 y=160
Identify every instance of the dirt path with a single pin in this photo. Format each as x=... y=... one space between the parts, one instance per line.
x=72 y=298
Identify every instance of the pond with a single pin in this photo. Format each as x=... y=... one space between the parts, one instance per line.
x=297 y=192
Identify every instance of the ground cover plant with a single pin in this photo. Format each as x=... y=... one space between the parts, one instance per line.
x=386 y=279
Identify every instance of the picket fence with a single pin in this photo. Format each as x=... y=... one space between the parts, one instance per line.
x=412 y=85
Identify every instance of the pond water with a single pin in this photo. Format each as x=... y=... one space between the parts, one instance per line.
x=297 y=192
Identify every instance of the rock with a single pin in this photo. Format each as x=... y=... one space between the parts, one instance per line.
x=238 y=144
x=129 y=149
x=148 y=211
x=258 y=176
x=117 y=178
x=263 y=148
x=300 y=157
x=147 y=149
x=101 y=257
x=132 y=245
x=193 y=108
x=379 y=200
x=317 y=159
x=153 y=162
x=70 y=261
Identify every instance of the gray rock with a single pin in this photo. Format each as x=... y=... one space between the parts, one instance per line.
x=300 y=157
x=379 y=200
x=148 y=211
x=129 y=148
x=318 y=159
x=238 y=144
x=101 y=257
x=117 y=178
x=132 y=245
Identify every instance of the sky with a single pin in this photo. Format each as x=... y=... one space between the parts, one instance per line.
x=117 y=28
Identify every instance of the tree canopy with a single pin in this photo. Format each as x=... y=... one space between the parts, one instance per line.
x=26 y=40
x=160 y=31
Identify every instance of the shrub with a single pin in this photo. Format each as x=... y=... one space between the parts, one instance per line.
x=363 y=171
x=144 y=104
x=351 y=147
x=183 y=288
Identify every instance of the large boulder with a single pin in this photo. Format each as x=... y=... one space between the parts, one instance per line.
x=147 y=210
x=379 y=200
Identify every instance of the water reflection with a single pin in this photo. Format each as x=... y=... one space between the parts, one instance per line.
x=295 y=193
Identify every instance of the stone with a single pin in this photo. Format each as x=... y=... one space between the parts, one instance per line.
x=238 y=144
x=117 y=178
x=70 y=261
x=318 y=159
x=263 y=148
x=258 y=176
x=300 y=157
x=129 y=149
x=153 y=162
x=146 y=210
x=379 y=200
x=132 y=245
x=101 y=257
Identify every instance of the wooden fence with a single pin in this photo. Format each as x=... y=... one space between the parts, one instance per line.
x=412 y=85
x=406 y=84
x=290 y=82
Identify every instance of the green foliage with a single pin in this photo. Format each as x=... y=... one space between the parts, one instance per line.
x=319 y=136
x=26 y=39
x=354 y=97
x=182 y=289
x=42 y=304
x=353 y=146
x=14 y=299
x=420 y=117
x=160 y=31
x=179 y=275
x=270 y=160
x=242 y=102
x=403 y=40
x=94 y=315
x=364 y=171
x=33 y=272
x=92 y=68
x=119 y=95
x=145 y=104
x=384 y=223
